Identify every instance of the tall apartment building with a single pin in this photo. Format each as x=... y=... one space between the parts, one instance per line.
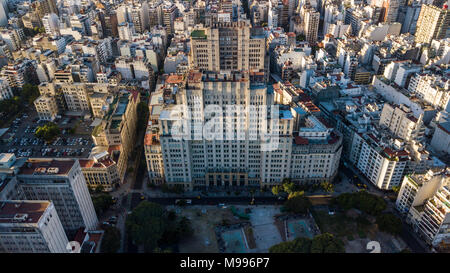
x=303 y=147
x=169 y=12
x=228 y=47
x=46 y=107
x=425 y=201
x=31 y=227
x=62 y=181
x=432 y=24
x=384 y=160
x=311 y=24
x=5 y=90
x=118 y=128
x=43 y=7
x=433 y=89
x=19 y=73
x=76 y=96
x=401 y=122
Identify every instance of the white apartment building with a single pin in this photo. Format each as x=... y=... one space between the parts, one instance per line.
x=401 y=122
x=46 y=107
x=441 y=138
x=433 y=89
x=5 y=89
x=62 y=181
x=126 y=31
x=384 y=160
x=51 y=24
x=425 y=201
x=311 y=25
x=31 y=227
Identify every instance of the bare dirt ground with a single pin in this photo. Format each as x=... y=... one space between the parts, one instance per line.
x=203 y=220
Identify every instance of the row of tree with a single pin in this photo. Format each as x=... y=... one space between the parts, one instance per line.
x=23 y=97
x=323 y=243
x=155 y=228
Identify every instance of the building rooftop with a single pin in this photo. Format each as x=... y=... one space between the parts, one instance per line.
x=47 y=167
x=27 y=212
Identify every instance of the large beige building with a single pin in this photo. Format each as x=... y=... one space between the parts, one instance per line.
x=118 y=127
x=46 y=108
x=100 y=170
x=432 y=24
x=228 y=47
x=76 y=96
x=301 y=145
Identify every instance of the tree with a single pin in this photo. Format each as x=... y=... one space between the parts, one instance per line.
x=102 y=202
x=396 y=189
x=297 y=203
x=48 y=132
x=276 y=190
x=301 y=38
x=289 y=187
x=146 y=225
x=29 y=93
x=111 y=240
x=389 y=223
x=298 y=245
x=361 y=200
x=99 y=189
x=327 y=186
x=327 y=243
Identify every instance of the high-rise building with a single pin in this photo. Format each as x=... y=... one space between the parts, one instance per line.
x=311 y=24
x=31 y=227
x=228 y=47
x=433 y=23
x=301 y=145
x=169 y=11
x=62 y=181
x=424 y=200
x=401 y=122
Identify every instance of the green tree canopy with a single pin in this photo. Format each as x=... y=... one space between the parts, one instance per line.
x=298 y=245
x=327 y=186
x=111 y=240
x=389 y=223
x=323 y=243
x=361 y=200
x=29 y=93
x=276 y=190
x=327 y=243
x=48 y=132
x=297 y=203
x=102 y=202
x=146 y=224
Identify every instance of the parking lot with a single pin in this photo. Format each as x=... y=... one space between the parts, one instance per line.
x=20 y=138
